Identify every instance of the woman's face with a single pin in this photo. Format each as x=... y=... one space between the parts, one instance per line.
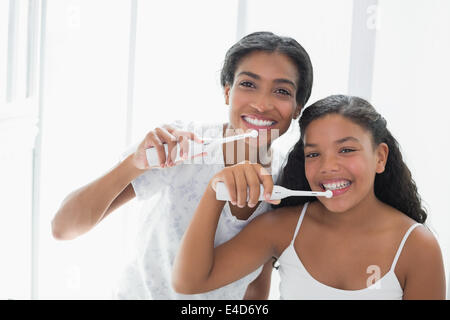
x=263 y=95
x=339 y=156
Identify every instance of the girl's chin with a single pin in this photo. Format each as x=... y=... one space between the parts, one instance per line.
x=335 y=206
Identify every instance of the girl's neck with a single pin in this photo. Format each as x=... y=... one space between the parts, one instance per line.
x=238 y=151
x=362 y=216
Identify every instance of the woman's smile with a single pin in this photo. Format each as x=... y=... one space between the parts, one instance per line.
x=258 y=122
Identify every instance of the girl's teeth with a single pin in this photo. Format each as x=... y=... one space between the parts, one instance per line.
x=338 y=185
x=258 y=122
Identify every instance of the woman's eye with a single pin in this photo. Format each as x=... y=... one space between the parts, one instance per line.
x=311 y=155
x=347 y=150
x=246 y=84
x=283 y=92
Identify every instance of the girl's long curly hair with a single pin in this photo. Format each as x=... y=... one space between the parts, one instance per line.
x=394 y=186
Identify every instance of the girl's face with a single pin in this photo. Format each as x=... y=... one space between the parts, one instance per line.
x=339 y=156
x=263 y=95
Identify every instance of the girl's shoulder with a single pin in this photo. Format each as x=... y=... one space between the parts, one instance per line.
x=421 y=265
x=282 y=217
x=400 y=222
x=420 y=248
x=419 y=237
x=280 y=223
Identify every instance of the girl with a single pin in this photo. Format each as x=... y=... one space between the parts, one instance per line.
x=366 y=242
x=266 y=81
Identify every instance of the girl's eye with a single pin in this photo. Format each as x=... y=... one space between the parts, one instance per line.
x=346 y=150
x=283 y=92
x=247 y=84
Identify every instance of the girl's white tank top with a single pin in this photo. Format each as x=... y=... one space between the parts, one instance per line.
x=297 y=283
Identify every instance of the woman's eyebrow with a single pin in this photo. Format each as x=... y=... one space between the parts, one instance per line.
x=339 y=141
x=257 y=77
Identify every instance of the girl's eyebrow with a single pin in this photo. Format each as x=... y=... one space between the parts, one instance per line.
x=339 y=141
x=257 y=77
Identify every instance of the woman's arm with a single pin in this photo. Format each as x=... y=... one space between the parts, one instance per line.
x=82 y=209
x=425 y=278
x=199 y=267
x=85 y=207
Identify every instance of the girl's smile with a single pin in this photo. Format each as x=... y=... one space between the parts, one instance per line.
x=338 y=186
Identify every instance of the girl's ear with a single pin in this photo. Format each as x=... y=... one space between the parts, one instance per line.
x=226 y=92
x=382 y=155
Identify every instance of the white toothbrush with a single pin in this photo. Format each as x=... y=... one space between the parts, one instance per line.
x=278 y=193
x=196 y=148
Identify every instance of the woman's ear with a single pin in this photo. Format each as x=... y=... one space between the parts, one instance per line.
x=382 y=155
x=226 y=92
x=297 y=111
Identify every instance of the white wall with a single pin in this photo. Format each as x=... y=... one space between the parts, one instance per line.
x=17 y=135
x=410 y=89
x=83 y=134
x=180 y=48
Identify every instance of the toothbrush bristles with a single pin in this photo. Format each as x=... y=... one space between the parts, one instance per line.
x=254 y=134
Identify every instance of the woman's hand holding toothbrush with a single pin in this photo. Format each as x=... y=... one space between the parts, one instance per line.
x=164 y=140
x=243 y=182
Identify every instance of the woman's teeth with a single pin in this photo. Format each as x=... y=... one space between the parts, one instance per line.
x=336 y=185
x=259 y=122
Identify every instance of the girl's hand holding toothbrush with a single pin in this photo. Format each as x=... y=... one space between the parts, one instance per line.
x=243 y=182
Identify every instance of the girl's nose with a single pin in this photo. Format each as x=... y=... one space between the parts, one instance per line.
x=329 y=164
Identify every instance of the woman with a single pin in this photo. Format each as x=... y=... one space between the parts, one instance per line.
x=266 y=79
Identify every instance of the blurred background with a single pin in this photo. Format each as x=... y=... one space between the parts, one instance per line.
x=81 y=80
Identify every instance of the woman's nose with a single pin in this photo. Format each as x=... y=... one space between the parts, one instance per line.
x=262 y=103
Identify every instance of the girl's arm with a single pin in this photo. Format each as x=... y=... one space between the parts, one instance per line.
x=425 y=277
x=199 y=267
x=259 y=289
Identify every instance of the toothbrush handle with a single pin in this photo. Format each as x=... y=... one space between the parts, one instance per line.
x=153 y=159
x=278 y=193
x=223 y=195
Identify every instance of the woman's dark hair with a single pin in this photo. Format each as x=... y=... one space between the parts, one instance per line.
x=269 y=42
x=394 y=186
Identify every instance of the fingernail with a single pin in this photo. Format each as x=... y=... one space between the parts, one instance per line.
x=267 y=196
x=251 y=205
